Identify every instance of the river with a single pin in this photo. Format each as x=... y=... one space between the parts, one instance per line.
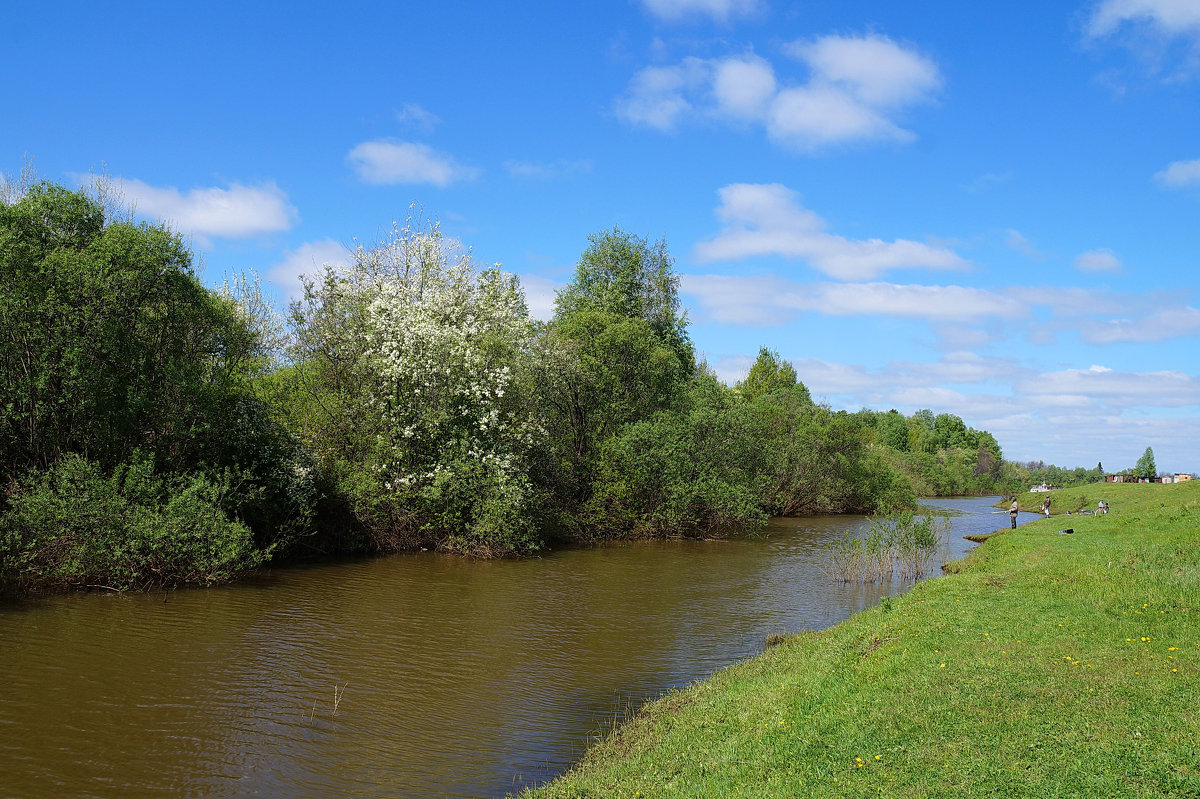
x=414 y=675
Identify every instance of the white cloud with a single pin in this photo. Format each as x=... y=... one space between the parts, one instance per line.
x=658 y=96
x=1102 y=260
x=762 y=220
x=414 y=116
x=307 y=259
x=1179 y=173
x=389 y=162
x=1161 y=325
x=1169 y=17
x=547 y=171
x=1160 y=33
x=720 y=10
x=872 y=69
x=855 y=86
x=769 y=301
x=1162 y=389
x=743 y=87
x=810 y=117
x=236 y=212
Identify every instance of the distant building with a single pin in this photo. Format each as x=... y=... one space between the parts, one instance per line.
x=1043 y=487
x=1178 y=477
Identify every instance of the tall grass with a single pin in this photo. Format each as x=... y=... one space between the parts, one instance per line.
x=896 y=546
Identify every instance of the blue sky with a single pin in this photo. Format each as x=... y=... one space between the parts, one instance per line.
x=982 y=209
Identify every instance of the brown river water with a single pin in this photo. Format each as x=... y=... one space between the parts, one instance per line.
x=407 y=676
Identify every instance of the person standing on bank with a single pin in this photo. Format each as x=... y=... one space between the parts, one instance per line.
x=1012 y=512
x=1046 y=507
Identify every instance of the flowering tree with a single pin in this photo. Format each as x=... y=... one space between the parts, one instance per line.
x=444 y=340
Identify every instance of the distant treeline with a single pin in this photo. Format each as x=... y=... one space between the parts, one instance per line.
x=153 y=431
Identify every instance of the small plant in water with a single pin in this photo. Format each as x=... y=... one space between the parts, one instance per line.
x=338 y=693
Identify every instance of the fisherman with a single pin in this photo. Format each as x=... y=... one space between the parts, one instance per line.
x=1046 y=507
x=1012 y=512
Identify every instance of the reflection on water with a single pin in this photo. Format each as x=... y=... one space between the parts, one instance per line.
x=461 y=678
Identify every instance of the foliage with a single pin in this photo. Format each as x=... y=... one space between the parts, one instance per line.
x=815 y=460
x=72 y=525
x=678 y=473
x=898 y=545
x=1145 y=465
x=405 y=387
x=769 y=374
x=623 y=274
x=409 y=402
x=110 y=347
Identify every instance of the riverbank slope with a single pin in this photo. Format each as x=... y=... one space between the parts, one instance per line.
x=1045 y=665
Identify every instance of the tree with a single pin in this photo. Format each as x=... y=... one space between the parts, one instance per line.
x=769 y=374
x=624 y=274
x=406 y=379
x=108 y=342
x=132 y=447
x=1145 y=465
x=891 y=430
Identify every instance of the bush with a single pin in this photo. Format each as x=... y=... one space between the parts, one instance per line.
x=71 y=525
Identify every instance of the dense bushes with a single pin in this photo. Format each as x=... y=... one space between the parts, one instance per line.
x=71 y=524
x=132 y=447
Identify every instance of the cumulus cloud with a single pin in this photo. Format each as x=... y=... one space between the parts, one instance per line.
x=1167 y=17
x=720 y=10
x=389 y=162
x=762 y=220
x=1179 y=174
x=307 y=259
x=873 y=69
x=855 y=87
x=1161 y=33
x=658 y=97
x=238 y=211
x=743 y=87
x=1102 y=260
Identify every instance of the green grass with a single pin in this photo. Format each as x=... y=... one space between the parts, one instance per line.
x=1046 y=665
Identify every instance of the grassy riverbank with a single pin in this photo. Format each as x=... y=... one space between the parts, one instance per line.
x=1045 y=665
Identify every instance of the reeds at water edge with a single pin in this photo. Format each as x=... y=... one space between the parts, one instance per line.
x=894 y=546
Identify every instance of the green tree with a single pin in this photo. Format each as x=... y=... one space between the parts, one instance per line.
x=769 y=374
x=891 y=430
x=624 y=274
x=114 y=356
x=1145 y=464
x=108 y=342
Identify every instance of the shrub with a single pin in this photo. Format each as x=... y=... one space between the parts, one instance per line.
x=71 y=525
